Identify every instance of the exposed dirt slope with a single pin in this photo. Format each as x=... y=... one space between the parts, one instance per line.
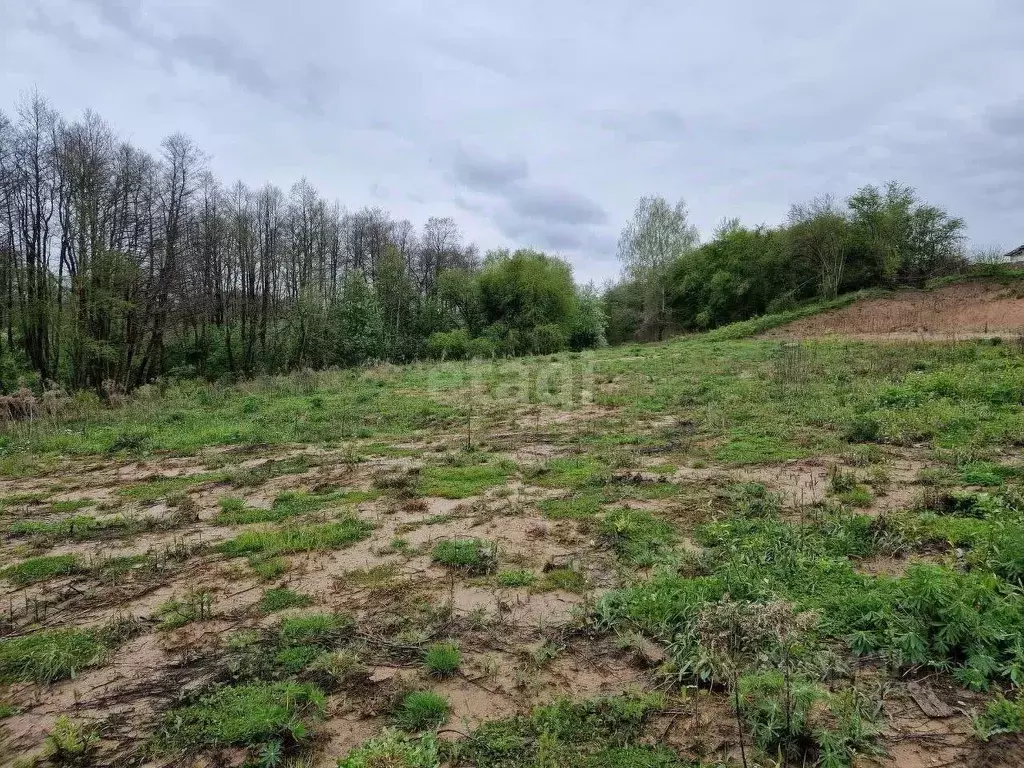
x=963 y=310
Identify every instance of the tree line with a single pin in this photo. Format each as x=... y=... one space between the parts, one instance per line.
x=877 y=237
x=119 y=267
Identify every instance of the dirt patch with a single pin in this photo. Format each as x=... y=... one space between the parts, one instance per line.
x=966 y=310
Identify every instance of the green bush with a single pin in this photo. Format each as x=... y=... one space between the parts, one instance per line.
x=451 y=345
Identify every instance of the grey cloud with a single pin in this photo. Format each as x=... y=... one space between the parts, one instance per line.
x=215 y=53
x=485 y=173
x=523 y=210
x=556 y=205
x=563 y=113
x=1007 y=120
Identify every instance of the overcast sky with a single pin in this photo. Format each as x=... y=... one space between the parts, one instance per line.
x=540 y=122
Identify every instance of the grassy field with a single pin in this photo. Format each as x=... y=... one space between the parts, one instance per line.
x=712 y=551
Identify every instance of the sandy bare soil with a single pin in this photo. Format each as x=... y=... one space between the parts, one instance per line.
x=966 y=310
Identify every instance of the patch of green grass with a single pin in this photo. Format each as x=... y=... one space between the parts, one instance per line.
x=647 y=491
x=638 y=537
x=599 y=733
x=566 y=579
x=442 y=659
x=290 y=540
x=392 y=748
x=79 y=526
x=233 y=511
x=987 y=473
x=319 y=629
x=859 y=496
x=121 y=565
x=250 y=715
x=275 y=600
x=576 y=507
x=420 y=710
x=292 y=659
x=449 y=482
x=472 y=556
x=50 y=655
x=932 y=616
x=7 y=710
x=70 y=505
x=155 y=490
x=178 y=612
x=268 y=568
x=374 y=577
x=37 y=569
x=753 y=500
x=577 y=472
x=515 y=577
x=785 y=717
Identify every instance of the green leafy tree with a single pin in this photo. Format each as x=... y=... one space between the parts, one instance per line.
x=359 y=326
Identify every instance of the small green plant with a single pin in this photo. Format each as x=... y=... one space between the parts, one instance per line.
x=375 y=577
x=515 y=577
x=420 y=710
x=334 y=668
x=70 y=743
x=175 y=613
x=858 y=496
x=1000 y=716
x=70 y=505
x=472 y=556
x=274 y=600
x=442 y=659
